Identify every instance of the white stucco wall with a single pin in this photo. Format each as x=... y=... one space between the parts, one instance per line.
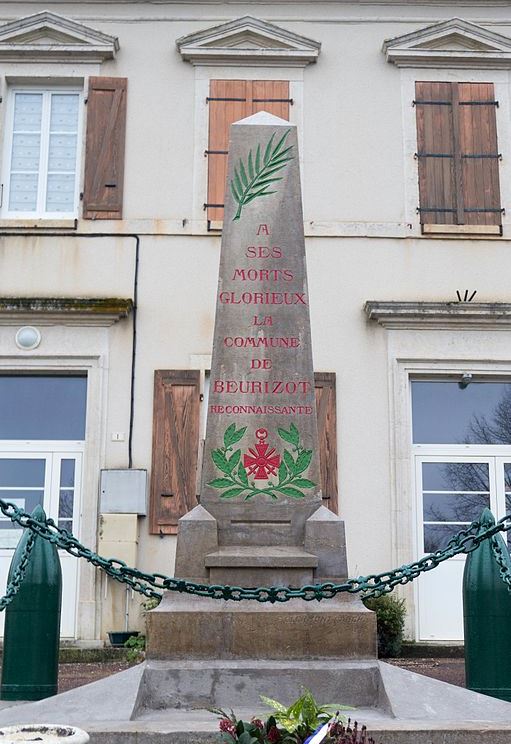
x=362 y=243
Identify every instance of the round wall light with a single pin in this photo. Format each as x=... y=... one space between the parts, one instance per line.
x=28 y=338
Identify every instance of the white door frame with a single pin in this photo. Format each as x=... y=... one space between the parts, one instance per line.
x=428 y=355
x=95 y=367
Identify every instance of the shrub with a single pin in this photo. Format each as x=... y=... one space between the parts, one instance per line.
x=390 y=622
x=136 y=647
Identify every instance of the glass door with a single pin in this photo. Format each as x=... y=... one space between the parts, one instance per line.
x=25 y=481
x=51 y=479
x=503 y=467
x=452 y=493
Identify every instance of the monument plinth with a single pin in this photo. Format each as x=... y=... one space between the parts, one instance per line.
x=260 y=521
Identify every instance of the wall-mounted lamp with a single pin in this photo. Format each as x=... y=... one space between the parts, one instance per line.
x=466 y=379
x=28 y=338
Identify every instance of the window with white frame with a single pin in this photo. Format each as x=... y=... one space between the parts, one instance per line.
x=42 y=152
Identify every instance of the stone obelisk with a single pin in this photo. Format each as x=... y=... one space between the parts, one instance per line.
x=261 y=460
x=260 y=520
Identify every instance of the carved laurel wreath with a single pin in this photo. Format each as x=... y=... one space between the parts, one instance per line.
x=235 y=482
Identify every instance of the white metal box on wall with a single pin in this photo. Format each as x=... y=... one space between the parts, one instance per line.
x=123 y=492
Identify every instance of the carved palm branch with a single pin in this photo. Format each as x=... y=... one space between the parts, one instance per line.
x=255 y=179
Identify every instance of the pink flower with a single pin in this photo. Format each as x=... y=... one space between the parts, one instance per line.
x=257 y=722
x=227 y=727
x=273 y=735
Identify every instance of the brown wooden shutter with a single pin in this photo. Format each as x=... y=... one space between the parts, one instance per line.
x=327 y=432
x=175 y=447
x=479 y=153
x=435 y=152
x=457 y=154
x=104 y=149
x=229 y=101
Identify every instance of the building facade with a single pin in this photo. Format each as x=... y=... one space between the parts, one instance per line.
x=114 y=124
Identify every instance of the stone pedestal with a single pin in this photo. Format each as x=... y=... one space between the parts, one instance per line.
x=186 y=627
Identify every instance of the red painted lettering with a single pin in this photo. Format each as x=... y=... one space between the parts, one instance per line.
x=260 y=387
x=263 y=275
x=260 y=364
x=263 y=251
x=263 y=298
x=265 y=320
x=263 y=230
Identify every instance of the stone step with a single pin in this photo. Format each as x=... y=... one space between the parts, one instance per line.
x=228 y=684
x=261 y=556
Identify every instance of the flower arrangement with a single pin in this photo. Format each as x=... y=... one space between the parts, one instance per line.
x=303 y=722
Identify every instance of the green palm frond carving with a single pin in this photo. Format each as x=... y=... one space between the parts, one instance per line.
x=254 y=179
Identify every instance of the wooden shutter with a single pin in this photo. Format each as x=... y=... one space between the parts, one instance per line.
x=175 y=447
x=104 y=149
x=479 y=154
x=435 y=148
x=229 y=101
x=327 y=432
x=458 y=154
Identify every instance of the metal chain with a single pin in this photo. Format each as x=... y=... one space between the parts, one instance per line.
x=19 y=574
x=502 y=560
x=373 y=585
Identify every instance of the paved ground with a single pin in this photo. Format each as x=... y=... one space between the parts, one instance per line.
x=447 y=670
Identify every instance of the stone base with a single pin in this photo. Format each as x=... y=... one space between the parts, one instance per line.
x=231 y=684
x=404 y=708
x=186 y=627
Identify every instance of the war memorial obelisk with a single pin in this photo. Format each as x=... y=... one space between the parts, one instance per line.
x=260 y=521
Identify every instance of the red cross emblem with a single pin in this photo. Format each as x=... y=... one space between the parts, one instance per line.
x=260 y=463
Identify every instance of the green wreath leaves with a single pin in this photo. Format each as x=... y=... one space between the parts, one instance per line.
x=255 y=179
x=234 y=480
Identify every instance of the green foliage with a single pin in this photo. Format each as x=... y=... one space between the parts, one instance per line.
x=256 y=178
x=151 y=603
x=234 y=479
x=390 y=620
x=292 y=725
x=136 y=648
x=303 y=716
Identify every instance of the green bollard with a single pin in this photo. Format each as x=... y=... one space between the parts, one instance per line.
x=32 y=623
x=487 y=619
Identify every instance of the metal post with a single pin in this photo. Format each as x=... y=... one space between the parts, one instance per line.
x=32 y=623
x=487 y=619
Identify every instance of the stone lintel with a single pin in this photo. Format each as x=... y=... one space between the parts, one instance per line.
x=90 y=311
x=413 y=315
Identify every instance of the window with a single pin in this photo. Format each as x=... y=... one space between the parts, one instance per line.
x=42 y=153
x=229 y=101
x=43 y=146
x=42 y=407
x=458 y=157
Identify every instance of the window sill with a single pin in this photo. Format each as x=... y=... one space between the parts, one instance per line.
x=38 y=224
x=462 y=230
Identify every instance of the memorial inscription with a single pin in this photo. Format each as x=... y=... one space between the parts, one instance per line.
x=261 y=427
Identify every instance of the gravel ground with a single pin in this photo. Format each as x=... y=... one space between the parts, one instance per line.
x=447 y=670
x=75 y=675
